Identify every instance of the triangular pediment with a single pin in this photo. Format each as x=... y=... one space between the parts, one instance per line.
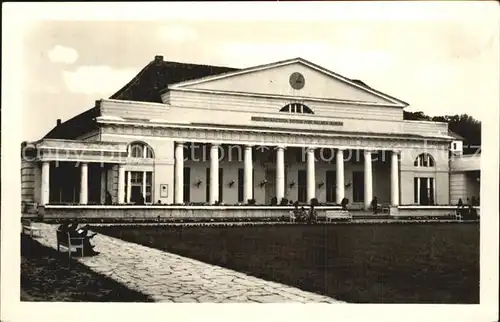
x=291 y=78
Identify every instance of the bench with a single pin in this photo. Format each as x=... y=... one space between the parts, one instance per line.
x=335 y=215
x=28 y=228
x=64 y=239
x=384 y=208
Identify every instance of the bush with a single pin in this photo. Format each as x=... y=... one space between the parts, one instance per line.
x=274 y=201
x=314 y=202
x=284 y=202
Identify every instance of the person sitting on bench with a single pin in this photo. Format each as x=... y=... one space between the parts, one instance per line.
x=344 y=203
x=84 y=231
x=312 y=215
x=374 y=205
x=74 y=231
x=303 y=214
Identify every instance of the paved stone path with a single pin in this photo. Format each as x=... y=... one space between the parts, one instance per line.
x=168 y=277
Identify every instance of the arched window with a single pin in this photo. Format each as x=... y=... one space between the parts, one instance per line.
x=140 y=150
x=424 y=160
x=296 y=108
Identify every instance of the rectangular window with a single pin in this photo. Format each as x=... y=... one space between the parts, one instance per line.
x=431 y=191
x=187 y=185
x=331 y=189
x=207 y=186
x=149 y=187
x=64 y=182
x=302 y=186
x=424 y=191
x=136 y=186
x=141 y=186
x=126 y=186
x=415 y=190
x=253 y=185
x=241 y=184
x=221 y=184
x=358 y=186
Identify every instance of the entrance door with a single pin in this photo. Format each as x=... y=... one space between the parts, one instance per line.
x=424 y=200
x=331 y=186
x=94 y=183
x=358 y=186
x=302 y=186
x=270 y=185
x=426 y=191
x=135 y=192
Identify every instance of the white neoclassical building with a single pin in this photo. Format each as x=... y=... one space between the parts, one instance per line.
x=185 y=133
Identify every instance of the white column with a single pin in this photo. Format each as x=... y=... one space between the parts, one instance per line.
x=144 y=185
x=179 y=173
x=311 y=175
x=394 y=179
x=129 y=186
x=45 y=183
x=340 y=175
x=368 y=178
x=121 y=184
x=248 y=172
x=84 y=183
x=214 y=173
x=280 y=173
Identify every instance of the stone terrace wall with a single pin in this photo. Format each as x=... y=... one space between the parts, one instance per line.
x=171 y=212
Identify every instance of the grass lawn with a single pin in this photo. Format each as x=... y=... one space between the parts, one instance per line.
x=367 y=263
x=47 y=275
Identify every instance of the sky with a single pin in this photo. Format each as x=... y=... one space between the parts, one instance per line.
x=440 y=58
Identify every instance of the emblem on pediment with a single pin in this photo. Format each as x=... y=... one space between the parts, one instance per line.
x=297 y=80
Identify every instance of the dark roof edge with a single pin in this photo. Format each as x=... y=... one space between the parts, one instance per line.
x=82 y=120
x=84 y=116
x=132 y=82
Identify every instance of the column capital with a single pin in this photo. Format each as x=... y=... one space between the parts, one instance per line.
x=180 y=143
x=310 y=149
x=280 y=147
x=249 y=146
x=215 y=144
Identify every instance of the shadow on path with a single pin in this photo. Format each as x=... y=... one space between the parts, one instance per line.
x=48 y=275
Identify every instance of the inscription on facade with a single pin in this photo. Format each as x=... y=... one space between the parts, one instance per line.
x=296 y=121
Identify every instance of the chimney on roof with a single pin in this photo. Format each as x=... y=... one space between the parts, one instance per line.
x=58 y=122
x=158 y=59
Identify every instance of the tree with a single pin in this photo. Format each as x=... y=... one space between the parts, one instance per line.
x=464 y=125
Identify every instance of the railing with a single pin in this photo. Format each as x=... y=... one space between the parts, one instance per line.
x=53 y=144
x=467 y=162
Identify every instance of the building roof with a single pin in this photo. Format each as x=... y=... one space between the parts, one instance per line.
x=146 y=86
x=455 y=135
x=158 y=74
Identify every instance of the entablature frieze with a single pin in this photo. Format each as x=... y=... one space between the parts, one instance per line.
x=273 y=137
